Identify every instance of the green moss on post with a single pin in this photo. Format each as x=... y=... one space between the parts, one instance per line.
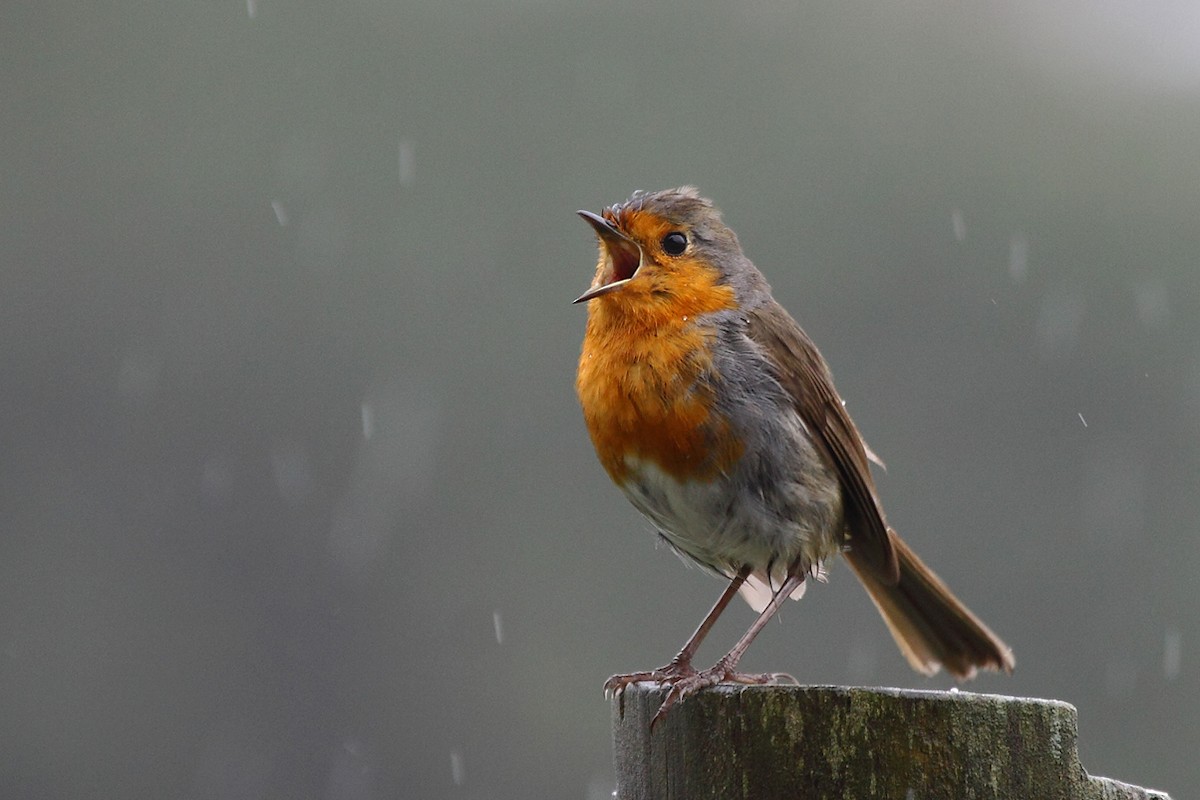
x=766 y=742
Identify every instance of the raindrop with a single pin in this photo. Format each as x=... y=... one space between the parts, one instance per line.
x=368 y=420
x=393 y=469
x=405 y=161
x=959 y=225
x=1172 y=653
x=280 y=212
x=1018 y=257
x=497 y=624
x=1081 y=419
x=458 y=768
x=251 y=8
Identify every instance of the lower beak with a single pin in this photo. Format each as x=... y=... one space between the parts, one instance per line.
x=622 y=257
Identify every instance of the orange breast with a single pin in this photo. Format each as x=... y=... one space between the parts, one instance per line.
x=646 y=380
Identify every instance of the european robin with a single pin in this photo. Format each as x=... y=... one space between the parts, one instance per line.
x=717 y=416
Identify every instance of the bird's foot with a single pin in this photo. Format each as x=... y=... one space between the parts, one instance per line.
x=717 y=673
x=670 y=674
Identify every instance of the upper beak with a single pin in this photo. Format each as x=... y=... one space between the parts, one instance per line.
x=622 y=257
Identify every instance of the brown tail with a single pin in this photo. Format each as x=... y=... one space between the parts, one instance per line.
x=929 y=623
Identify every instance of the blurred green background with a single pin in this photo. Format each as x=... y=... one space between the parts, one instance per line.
x=296 y=500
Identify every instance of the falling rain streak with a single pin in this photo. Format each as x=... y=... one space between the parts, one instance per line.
x=959 y=225
x=1172 y=654
x=405 y=162
x=368 y=421
x=458 y=768
x=1018 y=257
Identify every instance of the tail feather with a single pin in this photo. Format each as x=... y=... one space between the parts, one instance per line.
x=931 y=626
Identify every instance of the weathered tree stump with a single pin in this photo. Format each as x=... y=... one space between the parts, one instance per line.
x=841 y=743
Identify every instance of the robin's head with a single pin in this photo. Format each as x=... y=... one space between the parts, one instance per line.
x=662 y=247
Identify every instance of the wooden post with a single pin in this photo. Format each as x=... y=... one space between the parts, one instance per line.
x=793 y=742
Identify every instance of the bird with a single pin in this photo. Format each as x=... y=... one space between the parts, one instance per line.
x=716 y=415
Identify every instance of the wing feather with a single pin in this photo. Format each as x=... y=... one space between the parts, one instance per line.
x=803 y=373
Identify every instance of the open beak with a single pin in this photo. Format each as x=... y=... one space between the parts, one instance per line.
x=622 y=257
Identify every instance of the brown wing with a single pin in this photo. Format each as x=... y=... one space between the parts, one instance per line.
x=803 y=373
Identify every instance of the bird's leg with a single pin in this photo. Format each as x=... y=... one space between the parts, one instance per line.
x=681 y=665
x=724 y=669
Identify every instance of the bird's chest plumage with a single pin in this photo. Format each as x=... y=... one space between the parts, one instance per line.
x=650 y=397
x=683 y=434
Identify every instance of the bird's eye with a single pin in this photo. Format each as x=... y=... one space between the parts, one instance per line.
x=674 y=243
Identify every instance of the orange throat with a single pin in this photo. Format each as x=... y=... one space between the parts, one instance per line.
x=646 y=380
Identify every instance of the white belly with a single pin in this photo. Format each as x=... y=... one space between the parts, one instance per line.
x=730 y=522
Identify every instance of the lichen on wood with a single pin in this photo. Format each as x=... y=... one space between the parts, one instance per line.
x=765 y=742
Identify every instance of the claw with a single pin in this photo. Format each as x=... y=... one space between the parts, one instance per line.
x=685 y=681
x=687 y=685
x=614 y=687
x=661 y=711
